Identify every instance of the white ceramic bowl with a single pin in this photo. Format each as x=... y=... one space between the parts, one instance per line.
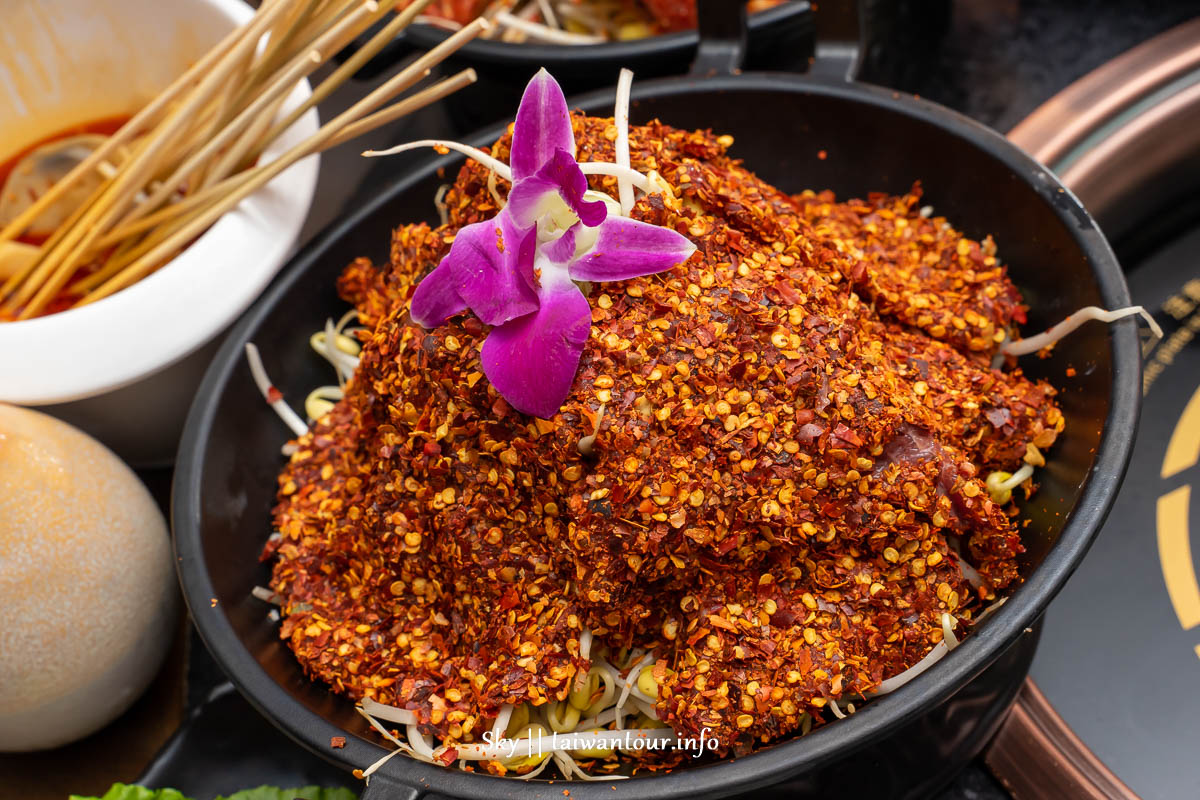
x=124 y=368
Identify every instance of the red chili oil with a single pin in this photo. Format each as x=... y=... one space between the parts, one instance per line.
x=104 y=126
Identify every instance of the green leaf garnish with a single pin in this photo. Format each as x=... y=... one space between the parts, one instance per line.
x=122 y=791
x=303 y=793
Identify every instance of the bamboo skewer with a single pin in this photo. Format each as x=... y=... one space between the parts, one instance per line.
x=44 y=273
x=288 y=30
x=246 y=149
x=167 y=215
x=189 y=156
x=416 y=72
x=322 y=24
x=55 y=238
x=185 y=205
x=352 y=65
x=334 y=39
x=209 y=193
x=395 y=111
x=311 y=21
x=219 y=113
x=352 y=131
x=184 y=234
x=135 y=125
x=58 y=265
x=365 y=125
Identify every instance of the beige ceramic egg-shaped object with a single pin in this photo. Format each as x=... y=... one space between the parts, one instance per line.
x=88 y=598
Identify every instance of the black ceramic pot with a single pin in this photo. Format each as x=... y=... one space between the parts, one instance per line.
x=779 y=38
x=895 y=37
x=901 y=745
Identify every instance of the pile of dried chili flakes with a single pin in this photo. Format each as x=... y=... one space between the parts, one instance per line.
x=796 y=421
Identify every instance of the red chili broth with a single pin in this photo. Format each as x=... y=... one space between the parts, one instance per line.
x=106 y=126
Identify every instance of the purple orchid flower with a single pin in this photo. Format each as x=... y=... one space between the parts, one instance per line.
x=518 y=270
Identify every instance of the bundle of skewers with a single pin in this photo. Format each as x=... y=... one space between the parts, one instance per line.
x=197 y=150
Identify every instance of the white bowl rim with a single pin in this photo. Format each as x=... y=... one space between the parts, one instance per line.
x=169 y=314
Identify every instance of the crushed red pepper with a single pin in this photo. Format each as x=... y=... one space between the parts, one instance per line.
x=798 y=423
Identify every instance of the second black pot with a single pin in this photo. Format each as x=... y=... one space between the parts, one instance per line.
x=780 y=38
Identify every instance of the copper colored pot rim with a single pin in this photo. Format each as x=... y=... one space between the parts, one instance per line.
x=1036 y=754
x=1066 y=120
x=1144 y=147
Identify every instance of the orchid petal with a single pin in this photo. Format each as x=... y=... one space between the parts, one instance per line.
x=627 y=248
x=532 y=360
x=543 y=125
x=492 y=266
x=534 y=197
x=436 y=298
x=562 y=249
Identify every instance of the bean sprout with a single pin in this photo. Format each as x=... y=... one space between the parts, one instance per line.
x=1032 y=344
x=548 y=13
x=1000 y=485
x=494 y=164
x=439 y=201
x=948 y=625
x=987 y=612
x=638 y=180
x=342 y=354
x=418 y=742
x=272 y=395
x=586 y=446
x=390 y=713
x=266 y=595
x=494 y=191
x=646 y=707
x=970 y=573
x=585 y=641
x=932 y=657
x=320 y=400
x=544 y=33
x=501 y=723
x=621 y=117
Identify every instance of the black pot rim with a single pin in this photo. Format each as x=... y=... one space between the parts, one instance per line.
x=785 y=758
x=548 y=55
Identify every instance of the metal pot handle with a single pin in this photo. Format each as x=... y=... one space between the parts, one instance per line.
x=841 y=29
x=841 y=32
x=722 y=29
x=383 y=787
